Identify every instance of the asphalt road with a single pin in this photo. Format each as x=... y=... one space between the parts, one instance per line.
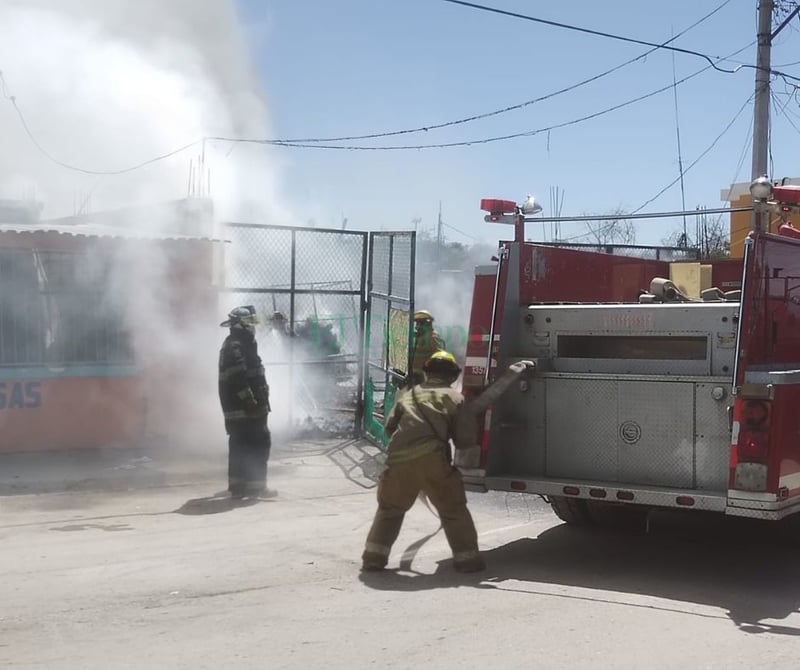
x=159 y=572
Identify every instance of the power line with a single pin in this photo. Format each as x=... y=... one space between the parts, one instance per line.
x=611 y=218
x=458 y=230
x=783 y=110
x=75 y=168
x=740 y=163
x=700 y=157
x=287 y=143
x=590 y=218
x=290 y=142
x=471 y=142
x=521 y=105
x=621 y=38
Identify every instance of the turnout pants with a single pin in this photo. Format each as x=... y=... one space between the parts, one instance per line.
x=399 y=487
x=249 y=443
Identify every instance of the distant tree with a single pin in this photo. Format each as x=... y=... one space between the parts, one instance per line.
x=711 y=237
x=612 y=231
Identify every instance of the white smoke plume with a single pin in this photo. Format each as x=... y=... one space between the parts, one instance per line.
x=445 y=289
x=107 y=84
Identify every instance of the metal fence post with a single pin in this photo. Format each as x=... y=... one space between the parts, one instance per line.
x=388 y=334
x=363 y=335
x=292 y=289
x=413 y=269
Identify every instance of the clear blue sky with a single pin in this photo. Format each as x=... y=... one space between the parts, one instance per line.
x=361 y=66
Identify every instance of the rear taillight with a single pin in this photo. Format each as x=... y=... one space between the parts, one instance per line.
x=752 y=444
x=750 y=439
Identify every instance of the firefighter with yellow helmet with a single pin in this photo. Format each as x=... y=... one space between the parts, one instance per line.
x=426 y=343
x=420 y=425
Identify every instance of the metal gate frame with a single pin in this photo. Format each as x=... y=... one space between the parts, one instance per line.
x=396 y=298
x=387 y=280
x=292 y=289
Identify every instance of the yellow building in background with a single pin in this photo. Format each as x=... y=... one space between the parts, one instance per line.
x=738 y=195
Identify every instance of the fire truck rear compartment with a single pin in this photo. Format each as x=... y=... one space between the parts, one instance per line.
x=625 y=396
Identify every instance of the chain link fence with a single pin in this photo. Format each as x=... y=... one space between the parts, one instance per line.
x=389 y=324
x=308 y=287
x=667 y=254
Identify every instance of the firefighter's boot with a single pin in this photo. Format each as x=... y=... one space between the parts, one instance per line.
x=372 y=562
x=476 y=564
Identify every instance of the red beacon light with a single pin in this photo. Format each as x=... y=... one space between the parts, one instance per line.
x=786 y=195
x=509 y=212
x=498 y=207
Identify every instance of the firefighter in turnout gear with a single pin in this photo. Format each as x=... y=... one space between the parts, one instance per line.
x=278 y=323
x=426 y=343
x=421 y=424
x=244 y=396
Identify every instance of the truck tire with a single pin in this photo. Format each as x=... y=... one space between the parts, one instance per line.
x=572 y=511
x=618 y=516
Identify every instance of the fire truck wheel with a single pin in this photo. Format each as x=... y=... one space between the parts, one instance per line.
x=622 y=517
x=571 y=510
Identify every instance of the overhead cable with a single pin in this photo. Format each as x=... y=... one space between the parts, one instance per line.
x=471 y=142
x=75 y=168
x=510 y=108
x=700 y=157
x=712 y=60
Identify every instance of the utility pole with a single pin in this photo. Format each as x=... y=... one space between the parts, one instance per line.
x=761 y=111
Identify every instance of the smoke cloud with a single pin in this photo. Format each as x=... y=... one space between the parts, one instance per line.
x=105 y=84
x=108 y=84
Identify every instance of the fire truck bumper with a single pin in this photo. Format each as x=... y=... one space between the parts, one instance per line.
x=612 y=492
x=756 y=505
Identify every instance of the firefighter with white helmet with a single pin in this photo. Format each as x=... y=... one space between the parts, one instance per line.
x=244 y=396
x=426 y=343
x=420 y=425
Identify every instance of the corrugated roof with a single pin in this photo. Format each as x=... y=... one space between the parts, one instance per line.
x=96 y=230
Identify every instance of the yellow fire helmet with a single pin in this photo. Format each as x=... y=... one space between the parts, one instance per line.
x=441 y=361
x=423 y=315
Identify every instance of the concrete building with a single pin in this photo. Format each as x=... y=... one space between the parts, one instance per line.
x=738 y=195
x=99 y=322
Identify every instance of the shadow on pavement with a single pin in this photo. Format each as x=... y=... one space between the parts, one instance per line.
x=215 y=504
x=747 y=568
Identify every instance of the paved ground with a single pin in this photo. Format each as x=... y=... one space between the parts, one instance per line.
x=126 y=563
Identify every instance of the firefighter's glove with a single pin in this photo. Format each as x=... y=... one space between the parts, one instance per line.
x=522 y=366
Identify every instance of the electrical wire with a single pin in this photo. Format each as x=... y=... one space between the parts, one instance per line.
x=700 y=157
x=514 y=107
x=771 y=168
x=783 y=110
x=426 y=128
x=458 y=230
x=471 y=142
x=740 y=163
x=621 y=38
x=75 y=168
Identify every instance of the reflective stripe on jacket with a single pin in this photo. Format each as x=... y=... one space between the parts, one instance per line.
x=243 y=389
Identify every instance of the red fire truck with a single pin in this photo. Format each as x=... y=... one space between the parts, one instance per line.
x=642 y=397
